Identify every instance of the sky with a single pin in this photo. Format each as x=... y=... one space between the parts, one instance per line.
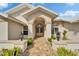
x=67 y=11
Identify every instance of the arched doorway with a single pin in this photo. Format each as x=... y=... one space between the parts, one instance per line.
x=39 y=27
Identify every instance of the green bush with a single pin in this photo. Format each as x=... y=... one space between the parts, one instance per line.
x=53 y=36
x=61 y=51
x=29 y=41
x=6 y=52
x=11 y=52
x=64 y=35
x=17 y=51
x=50 y=40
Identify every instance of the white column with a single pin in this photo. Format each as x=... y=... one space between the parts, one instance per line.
x=30 y=31
x=48 y=30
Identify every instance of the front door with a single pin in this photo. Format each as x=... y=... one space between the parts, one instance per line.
x=39 y=30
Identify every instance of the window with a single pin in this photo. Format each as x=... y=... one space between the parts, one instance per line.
x=54 y=29
x=25 y=32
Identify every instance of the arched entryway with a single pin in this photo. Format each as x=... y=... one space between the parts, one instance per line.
x=39 y=27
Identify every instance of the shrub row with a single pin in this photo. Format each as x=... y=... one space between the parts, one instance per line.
x=16 y=51
x=61 y=51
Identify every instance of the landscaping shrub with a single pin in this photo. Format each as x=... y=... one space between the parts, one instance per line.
x=53 y=36
x=29 y=41
x=17 y=51
x=12 y=52
x=50 y=40
x=61 y=51
x=6 y=52
x=64 y=35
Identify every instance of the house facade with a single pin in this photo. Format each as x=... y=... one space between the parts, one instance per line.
x=33 y=22
x=29 y=21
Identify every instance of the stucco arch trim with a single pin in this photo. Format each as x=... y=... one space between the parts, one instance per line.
x=45 y=18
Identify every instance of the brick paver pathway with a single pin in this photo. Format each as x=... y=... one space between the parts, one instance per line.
x=41 y=47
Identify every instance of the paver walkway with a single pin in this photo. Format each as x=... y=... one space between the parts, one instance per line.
x=41 y=47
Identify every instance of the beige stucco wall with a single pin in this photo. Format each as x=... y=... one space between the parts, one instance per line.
x=14 y=29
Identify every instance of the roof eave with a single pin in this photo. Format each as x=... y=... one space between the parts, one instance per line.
x=12 y=18
x=52 y=13
x=8 y=11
